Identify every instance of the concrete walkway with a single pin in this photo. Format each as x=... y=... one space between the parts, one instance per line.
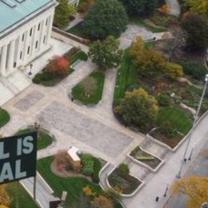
x=198 y=166
x=44 y=194
x=167 y=174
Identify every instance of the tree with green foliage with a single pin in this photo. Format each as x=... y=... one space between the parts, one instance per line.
x=106 y=54
x=138 y=109
x=151 y=63
x=140 y=7
x=105 y=18
x=62 y=13
x=196 y=28
x=123 y=170
x=199 y=6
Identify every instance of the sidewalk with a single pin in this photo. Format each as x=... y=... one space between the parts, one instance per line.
x=167 y=174
x=44 y=194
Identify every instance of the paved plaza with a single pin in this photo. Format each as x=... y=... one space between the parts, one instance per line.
x=84 y=129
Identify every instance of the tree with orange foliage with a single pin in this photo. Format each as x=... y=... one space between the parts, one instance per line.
x=194 y=187
x=59 y=66
x=102 y=202
x=4 y=197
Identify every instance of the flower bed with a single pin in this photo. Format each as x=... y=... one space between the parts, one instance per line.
x=146 y=158
x=51 y=77
x=124 y=185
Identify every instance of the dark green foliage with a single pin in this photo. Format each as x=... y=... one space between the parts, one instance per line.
x=50 y=79
x=105 y=18
x=4 y=117
x=75 y=54
x=97 y=168
x=87 y=164
x=163 y=99
x=123 y=185
x=196 y=28
x=138 y=109
x=91 y=166
x=62 y=13
x=194 y=69
x=140 y=7
x=106 y=54
x=80 y=55
x=123 y=170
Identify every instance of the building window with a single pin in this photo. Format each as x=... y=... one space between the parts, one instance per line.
x=39 y=27
x=23 y=37
x=46 y=22
x=44 y=39
x=31 y=32
x=21 y=55
x=28 y=50
x=36 y=44
x=15 y=64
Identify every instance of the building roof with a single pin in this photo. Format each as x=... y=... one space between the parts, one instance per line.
x=14 y=11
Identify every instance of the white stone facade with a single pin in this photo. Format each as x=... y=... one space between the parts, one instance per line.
x=28 y=41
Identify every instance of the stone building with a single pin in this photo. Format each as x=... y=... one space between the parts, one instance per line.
x=25 y=31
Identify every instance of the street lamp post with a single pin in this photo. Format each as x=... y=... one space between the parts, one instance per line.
x=194 y=123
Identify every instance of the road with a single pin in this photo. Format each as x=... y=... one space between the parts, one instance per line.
x=157 y=184
x=199 y=166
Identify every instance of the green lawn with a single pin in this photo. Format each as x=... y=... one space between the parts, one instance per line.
x=126 y=78
x=90 y=90
x=73 y=185
x=177 y=118
x=44 y=139
x=19 y=197
x=4 y=117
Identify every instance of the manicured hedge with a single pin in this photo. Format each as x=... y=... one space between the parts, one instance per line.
x=4 y=117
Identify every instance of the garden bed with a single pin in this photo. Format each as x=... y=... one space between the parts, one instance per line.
x=47 y=78
x=146 y=158
x=89 y=90
x=19 y=197
x=74 y=186
x=177 y=122
x=4 y=117
x=44 y=139
x=170 y=95
x=125 y=186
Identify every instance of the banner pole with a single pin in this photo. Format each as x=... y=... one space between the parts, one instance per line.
x=34 y=188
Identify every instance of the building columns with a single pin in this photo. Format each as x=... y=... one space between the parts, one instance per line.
x=11 y=57
x=3 y=60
